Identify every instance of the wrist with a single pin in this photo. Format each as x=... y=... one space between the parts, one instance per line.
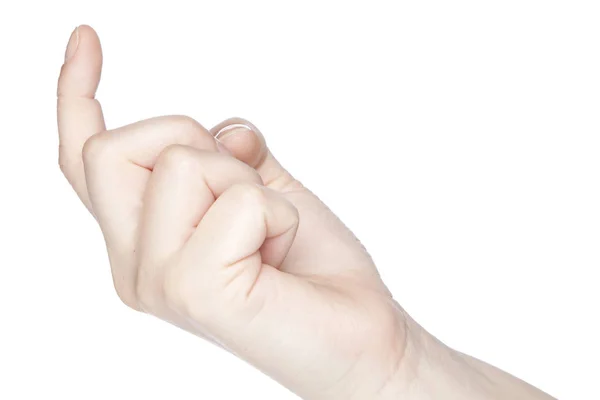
x=430 y=370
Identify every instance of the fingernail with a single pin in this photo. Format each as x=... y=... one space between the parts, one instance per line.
x=244 y=141
x=231 y=130
x=73 y=44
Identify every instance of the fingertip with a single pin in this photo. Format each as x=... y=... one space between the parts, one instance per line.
x=80 y=74
x=242 y=140
x=243 y=143
x=72 y=45
x=246 y=143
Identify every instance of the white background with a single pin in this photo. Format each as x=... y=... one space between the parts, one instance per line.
x=459 y=140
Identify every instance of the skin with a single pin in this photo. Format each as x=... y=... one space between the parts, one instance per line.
x=207 y=231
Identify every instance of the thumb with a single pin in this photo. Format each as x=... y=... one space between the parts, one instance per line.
x=247 y=144
x=231 y=261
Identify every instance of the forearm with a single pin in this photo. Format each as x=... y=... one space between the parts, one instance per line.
x=432 y=370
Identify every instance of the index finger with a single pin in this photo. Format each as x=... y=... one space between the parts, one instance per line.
x=79 y=113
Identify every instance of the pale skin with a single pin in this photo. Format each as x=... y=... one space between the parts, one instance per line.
x=207 y=231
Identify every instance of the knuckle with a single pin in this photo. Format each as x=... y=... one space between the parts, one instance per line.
x=252 y=175
x=248 y=194
x=177 y=157
x=188 y=127
x=65 y=165
x=187 y=130
x=184 y=121
x=95 y=147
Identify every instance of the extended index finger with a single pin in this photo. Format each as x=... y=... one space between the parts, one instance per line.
x=79 y=113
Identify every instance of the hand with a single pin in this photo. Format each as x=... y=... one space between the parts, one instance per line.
x=215 y=236
x=227 y=244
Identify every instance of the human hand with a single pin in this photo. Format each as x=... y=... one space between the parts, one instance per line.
x=235 y=251
x=216 y=237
